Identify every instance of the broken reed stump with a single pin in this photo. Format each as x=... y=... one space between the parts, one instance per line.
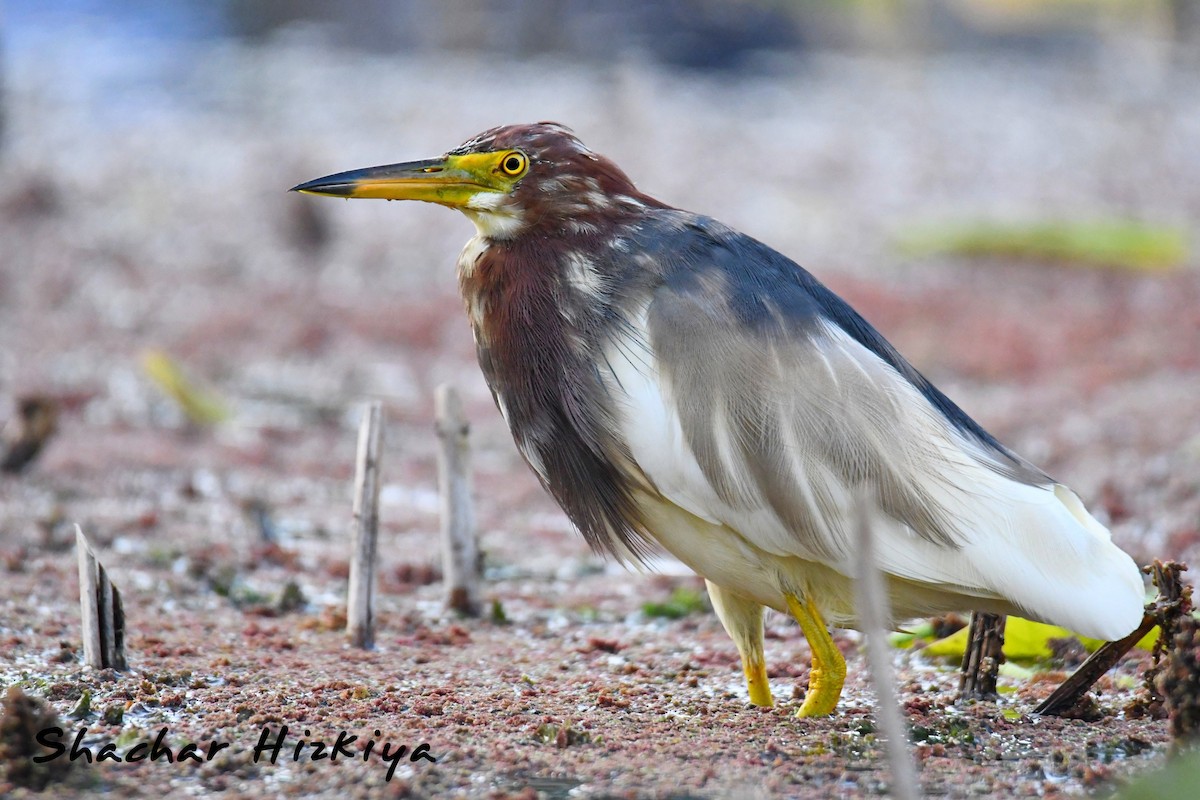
x=983 y=657
x=360 y=615
x=1173 y=611
x=1175 y=677
x=101 y=610
x=1179 y=683
x=875 y=617
x=460 y=550
x=1166 y=610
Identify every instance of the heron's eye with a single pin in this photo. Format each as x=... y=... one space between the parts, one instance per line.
x=513 y=164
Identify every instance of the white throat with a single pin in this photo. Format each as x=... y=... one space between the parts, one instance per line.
x=494 y=218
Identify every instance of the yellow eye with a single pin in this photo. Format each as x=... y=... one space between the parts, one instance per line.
x=514 y=163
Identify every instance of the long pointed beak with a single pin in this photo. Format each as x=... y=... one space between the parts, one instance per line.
x=450 y=181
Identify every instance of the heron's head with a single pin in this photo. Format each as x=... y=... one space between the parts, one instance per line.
x=508 y=180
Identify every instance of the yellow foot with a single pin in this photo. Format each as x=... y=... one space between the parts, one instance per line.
x=743 y=619
x=756 y=682
x=828 y=673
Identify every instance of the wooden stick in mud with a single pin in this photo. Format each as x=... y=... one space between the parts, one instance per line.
x=101 y=610
x=460 y=550
x=1072 y=690
x=983 y=657
x=360 y=614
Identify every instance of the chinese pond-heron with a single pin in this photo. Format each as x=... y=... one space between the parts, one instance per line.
x=676 y=384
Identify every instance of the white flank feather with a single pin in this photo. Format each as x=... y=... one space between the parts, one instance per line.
x=1033 y=550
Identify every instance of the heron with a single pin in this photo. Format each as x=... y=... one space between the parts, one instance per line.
x=679 y=386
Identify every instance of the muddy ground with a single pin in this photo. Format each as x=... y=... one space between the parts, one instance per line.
x=143 y=206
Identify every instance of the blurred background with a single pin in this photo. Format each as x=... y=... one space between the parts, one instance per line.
x=1009 y=189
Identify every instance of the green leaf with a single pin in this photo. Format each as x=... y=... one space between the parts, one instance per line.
x=83 y=708
x=1024 y=640
x=1115 y=243
x=130 y=737
x=682 y=602
x=1145 y=643
x=922 y=631
x=1179 y=778
x=201 y=406
x=1015 y=672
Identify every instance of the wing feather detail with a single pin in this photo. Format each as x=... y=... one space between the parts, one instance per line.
x=770 y=431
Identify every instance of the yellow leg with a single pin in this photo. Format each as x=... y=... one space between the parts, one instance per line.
x=828 y=673
x=756 y=682
x=743 y=621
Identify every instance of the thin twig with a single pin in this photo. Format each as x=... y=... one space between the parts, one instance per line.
x=360 y=615
x=1173 y=599
x=460 y=550
x=1070 y=691
x=874 y=614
